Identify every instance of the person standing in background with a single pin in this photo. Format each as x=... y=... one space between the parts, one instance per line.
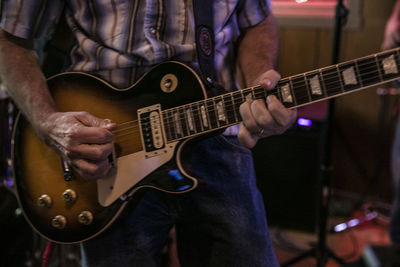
x=392 y=40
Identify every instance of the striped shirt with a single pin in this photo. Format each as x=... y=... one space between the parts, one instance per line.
x=119 y=40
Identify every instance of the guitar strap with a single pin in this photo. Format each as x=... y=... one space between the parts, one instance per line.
x=205 y=43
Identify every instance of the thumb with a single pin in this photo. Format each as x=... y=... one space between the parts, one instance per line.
x=108 y=124
x=89 y=120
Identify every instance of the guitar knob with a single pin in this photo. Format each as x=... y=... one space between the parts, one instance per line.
x=85 y=217
x=44 y=201
x=69 y=195
x=59 y=222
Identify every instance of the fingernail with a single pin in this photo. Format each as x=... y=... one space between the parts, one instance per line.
x=269 y=99
x=107 y=122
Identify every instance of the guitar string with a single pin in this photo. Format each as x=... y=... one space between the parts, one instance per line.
x=326 y=76
x=195 y=120
x=255 y=92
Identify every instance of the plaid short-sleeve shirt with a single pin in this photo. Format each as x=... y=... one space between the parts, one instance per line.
x=119 y=40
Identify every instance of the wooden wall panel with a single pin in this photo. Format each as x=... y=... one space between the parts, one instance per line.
x=359 y=139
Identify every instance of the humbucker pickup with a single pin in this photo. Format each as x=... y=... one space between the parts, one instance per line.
x=151 y=129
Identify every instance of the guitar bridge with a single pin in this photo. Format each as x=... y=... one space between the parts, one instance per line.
x=151 y=128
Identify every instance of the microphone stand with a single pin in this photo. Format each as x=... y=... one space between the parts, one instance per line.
x=320 y=251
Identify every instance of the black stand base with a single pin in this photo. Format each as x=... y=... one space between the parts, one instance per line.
x=321 y=256
x=320 y=251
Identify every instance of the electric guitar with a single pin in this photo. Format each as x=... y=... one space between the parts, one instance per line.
x=158 y=118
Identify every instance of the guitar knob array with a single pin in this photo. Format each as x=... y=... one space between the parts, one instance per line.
x=44 y=201
x=85 y=217
x=69 y=196
x=59 y=222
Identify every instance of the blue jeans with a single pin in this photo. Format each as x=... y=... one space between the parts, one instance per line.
x=222 y=223
x=395 y=220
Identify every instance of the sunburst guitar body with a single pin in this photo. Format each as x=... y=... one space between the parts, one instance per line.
x=159 y=118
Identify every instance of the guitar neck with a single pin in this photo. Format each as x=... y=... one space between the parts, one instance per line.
x=221 y=111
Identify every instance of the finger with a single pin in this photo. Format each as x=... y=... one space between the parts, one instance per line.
x=107 y=124
x=283 y=117
x=92 y=152
x=263 y=117
x=91 y=170
x=269 y=79
x=91 y=135
x=89 y=120
x=248 y=119
x=246 y=138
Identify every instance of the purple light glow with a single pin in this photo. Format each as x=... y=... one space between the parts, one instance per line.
x=304 y=122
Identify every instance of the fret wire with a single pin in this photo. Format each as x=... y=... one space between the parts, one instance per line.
x=278 y=95
x=308 y=78
x=371 y=64
x=292 y=90
x=218 y=100
x=207 y=115
x=258 y=92
x=323 y=83
x=173 y=129
x=196 y=117
x=237 y=107
x=233 y=107
x=166 y=126
x=377 y=65
x=340 y=78
x=200 y=105
x=307 y=87
x=252 y=93
x=358 y=72
x=191 y=122
x=185 y=122
x=212 y=114
x=228 y=108
x=171 y=126
x=216 y=112
x=368 y=71
x=327 y=77
x=300 y=91
x=225 y=110
x=200 y=116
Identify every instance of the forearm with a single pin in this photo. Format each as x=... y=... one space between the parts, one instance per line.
x=396 y=10
x=21 y=74
x=259 y=49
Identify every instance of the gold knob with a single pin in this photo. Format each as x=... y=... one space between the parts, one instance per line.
x=85 y=217
x=69 y=195
x=44 y=201
x=59 y=222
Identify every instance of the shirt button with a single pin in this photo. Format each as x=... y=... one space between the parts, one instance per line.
x=153 y=30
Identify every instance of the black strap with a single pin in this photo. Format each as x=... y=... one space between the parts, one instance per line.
x=57 y=48
x=205 y=43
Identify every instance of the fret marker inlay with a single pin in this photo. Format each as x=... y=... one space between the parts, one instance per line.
x=349 y=76
x=220 y=111
x=315 y=85
x=286 y=95
x=204 y=116
x=177 y=124
x=389 y=65
x=190 y=119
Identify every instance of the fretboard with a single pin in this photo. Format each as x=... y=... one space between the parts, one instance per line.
x=221 y=111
